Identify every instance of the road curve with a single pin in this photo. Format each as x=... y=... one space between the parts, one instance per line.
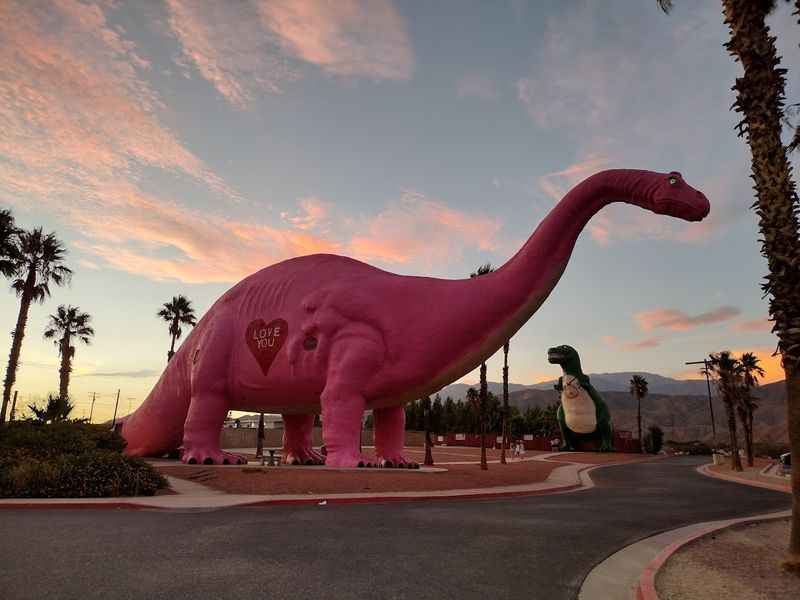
x=535 y=547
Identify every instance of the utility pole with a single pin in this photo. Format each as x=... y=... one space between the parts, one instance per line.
x=91 y=410
x=116 y=404
x=13 y=406
x=706 y=366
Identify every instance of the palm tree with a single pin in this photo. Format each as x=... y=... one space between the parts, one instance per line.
x=38 y=261
x=176 y=313
x=728 y=374
x=504 y=427
x=751 y=370
x=8 y=246
x=760 y=97
x=484 y=400
x=638 y=389
x=476 y=399
x=426 y=407
x=67 y=324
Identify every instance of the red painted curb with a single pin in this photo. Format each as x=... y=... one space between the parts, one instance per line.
x=646 y=589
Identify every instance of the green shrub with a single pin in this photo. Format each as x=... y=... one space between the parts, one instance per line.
x=70 y=460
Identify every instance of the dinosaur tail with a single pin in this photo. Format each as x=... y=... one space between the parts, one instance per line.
x=156 y=427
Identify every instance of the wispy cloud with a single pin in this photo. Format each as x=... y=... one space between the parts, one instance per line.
x=366 y=38
x=763 y=324
x=138 y=374
x=643 y=344
x=313 y=214
x=676 y=320
x=419 y=228
x=228 y=45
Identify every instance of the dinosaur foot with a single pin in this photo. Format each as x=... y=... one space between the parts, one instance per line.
x=211 y=456
x=339 y=459
x=397 y=461
x=302 y=456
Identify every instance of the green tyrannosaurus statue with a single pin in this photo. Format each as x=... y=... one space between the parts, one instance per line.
x=582 y=414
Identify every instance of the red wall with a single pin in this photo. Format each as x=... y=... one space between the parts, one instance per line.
x=623 y=442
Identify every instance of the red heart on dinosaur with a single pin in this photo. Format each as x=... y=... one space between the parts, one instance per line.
x=265 y=340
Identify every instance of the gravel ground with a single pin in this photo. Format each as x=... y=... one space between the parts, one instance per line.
x=741 y=562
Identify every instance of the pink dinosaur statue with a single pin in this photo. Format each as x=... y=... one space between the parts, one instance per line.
x=332 y=334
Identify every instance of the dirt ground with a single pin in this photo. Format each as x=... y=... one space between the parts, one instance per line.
x=740 y=562
x=274 y=480
x=752 y=473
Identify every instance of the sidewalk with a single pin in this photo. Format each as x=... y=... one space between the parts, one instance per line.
x=754 y=476
x=195 y=496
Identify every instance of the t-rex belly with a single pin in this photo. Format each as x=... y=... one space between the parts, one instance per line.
x=580 y=413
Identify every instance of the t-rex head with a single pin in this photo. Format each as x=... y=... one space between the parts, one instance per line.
x=676 y=198
x=566 y=356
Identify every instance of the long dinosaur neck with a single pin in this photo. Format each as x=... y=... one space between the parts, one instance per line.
x=505 y=299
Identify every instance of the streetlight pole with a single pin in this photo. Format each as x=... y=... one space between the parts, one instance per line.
x=705 y=362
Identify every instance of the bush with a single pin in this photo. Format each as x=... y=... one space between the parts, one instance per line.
x=70 y=460
x=694 y=448
x=653 y=439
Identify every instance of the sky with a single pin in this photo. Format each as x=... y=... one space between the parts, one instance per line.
x=176 y=146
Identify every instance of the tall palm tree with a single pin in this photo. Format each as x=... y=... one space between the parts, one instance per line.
x=484 y=393
x=639 y=390
x=504 y=428
x=68 y=324
x=475 y=398
x=728 y=374
x=760 y=97
x=751 y=370
x=8 y=239
x=426 y=407
x=38 y=262
x=176 y=313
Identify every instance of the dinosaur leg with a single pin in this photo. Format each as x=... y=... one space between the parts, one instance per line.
x=606 y=436
x=201 y=431
x=208 y=404
x=297 y=444
x=354 y=361
x=390 y=435
x=567 y=437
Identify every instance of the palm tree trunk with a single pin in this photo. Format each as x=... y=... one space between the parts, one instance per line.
x=639 y=421
x=747 y=425
x=66 y=367
x=736 y=461
x=504 y=432
x=484 y=401
x=16 y=344
x=171 y=352
x=760 y=98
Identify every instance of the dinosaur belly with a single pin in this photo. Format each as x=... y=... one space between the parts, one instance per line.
x=580 y=413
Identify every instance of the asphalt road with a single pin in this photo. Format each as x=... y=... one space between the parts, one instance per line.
x=537 y=547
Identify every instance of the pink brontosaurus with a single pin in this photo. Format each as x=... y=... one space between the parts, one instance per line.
x=330 y=333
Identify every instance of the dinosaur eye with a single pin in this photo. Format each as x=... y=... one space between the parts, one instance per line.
x=310 y=343
x=673 y=180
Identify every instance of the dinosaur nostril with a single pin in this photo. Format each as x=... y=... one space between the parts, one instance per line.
x=310 y=343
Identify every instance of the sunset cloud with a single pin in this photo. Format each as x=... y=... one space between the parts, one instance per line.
x=313 y=214
x=418 y=228
x=227 y=44
x=677 y=320
x=643 y=344
x=366 y=38
x=763 y=324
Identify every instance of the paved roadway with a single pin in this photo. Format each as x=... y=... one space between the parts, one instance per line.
x=536 y=547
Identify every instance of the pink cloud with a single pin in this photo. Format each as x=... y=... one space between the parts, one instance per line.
x=75 y=106
x=643 y=344
x=348 y=37
x=417 y=228
x=676 y=320
x=763 y=324
x=227 y=44
x=313 y=214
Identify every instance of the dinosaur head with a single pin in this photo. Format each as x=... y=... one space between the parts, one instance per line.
x=566 y=356
x=674 y=197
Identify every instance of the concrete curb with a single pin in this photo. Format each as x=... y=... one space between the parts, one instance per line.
x=776 y=487
x=646 y=589
x=566 y=478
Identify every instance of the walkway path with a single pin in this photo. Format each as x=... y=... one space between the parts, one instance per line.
x=539 y=547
